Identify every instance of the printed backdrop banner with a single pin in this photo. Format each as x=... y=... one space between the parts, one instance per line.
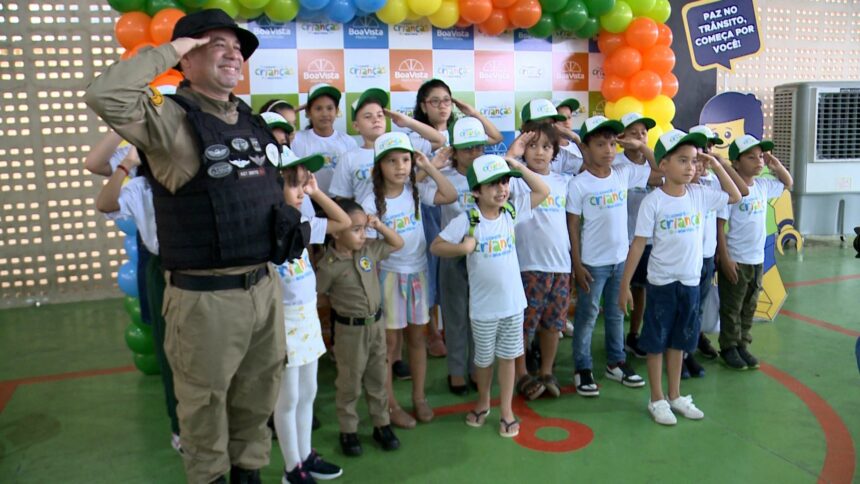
x=497 y=74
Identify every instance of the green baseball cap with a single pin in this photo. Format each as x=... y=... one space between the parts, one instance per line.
x=389 y=142
x=670 y=140
x=538 y=109
x=487 y=169
x=275 y=120
x=746 y=143
x=466 y=133
x=321 y=89
x=594 y=123
x=628 y=119
x=313 y=162
x=708 y=132
x=570 y=103
x=372 y=94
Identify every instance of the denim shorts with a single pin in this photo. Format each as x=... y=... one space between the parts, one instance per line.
x=671 y=318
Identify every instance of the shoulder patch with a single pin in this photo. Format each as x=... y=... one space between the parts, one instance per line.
x=155 y=98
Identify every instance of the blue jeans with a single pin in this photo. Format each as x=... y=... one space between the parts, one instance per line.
x=607 y=282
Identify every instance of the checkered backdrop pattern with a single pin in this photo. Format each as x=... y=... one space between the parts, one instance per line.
x=497 y=75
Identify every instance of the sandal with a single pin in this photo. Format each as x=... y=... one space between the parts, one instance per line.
x=477 y=419
x=401 y=419
x=530 y=387
x=423 y=412
x=551 y=384
x=505 y=427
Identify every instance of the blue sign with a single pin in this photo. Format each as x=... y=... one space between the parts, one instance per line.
x=454 y=38
x=274 y=35
x=501 y=148
x=720 y=32
x=523 y=40
x=365 y=33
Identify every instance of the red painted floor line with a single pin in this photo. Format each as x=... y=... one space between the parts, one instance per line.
x=820 y=323
x=826 y=280
x=839 y=462
x=8 y=387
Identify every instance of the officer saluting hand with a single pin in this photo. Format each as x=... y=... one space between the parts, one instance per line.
x=221 y=219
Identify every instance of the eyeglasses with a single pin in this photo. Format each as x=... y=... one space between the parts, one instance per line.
x=435 y=102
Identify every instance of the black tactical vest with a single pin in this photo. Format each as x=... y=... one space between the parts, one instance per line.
x=232 y=213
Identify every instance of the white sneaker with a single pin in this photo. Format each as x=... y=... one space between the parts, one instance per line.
x=662 y=413
x=684 y=406
x=174 y=442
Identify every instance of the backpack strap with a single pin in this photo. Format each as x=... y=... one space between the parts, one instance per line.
x=508 y=207
x=474 y=219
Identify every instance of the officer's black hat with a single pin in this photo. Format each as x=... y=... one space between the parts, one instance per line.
x=197 y=23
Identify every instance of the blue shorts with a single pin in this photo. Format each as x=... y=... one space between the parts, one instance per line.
x=671 y=318
x=640 y=276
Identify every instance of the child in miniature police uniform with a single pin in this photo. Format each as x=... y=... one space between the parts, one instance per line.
x=348 y=274
x=741 y=249
x=672 y=216
x=486 y=236
x=294 y=408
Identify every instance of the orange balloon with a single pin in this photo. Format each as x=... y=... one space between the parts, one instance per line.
x=641 y=33
x=131 y=29
x=670 y=85
x=613 y=87
x=659 y=59
x=503 y=3
x=645 y=85
x=463 y=23
x=161 y=27
x=625 y=61
x=608 y=42
x=476 y=11
x=525 y=13
x=170 y=77
x=495 y=24
x=129 y=53
x=664 y=35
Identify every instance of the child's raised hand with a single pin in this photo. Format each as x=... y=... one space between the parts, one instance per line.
x=442 y=158
x=464 y=108
x=469 y=243
x=421 y=160
x=398 y=118
x=373 y=222
x=706 y=159
x=770 y=160
x=311 y=185
x=518 y=147
x=625 y=299
x=513 y=164
x=132 y=159
x=629 y=143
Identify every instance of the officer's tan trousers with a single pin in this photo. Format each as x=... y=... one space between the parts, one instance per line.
x=226 y=349
x=361 y=355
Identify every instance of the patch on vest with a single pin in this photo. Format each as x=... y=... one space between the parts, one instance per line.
x=219 y=170
x=239 y=144
x=217 y=152
x=258 y=159
x=252 y=172
x=365 y=263
x=157 y=99
x=240 y=163
x=255 y=144
x=273 y=154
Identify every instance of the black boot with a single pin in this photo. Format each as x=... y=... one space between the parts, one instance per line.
x=244 y=476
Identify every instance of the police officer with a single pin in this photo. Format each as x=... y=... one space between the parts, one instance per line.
x=221 y=218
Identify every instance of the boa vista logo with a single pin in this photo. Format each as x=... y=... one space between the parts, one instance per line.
x=320 y=66
x=570 y=72
x=274 y=73
x=494 y=71
x=411 y=69
x=365 y=27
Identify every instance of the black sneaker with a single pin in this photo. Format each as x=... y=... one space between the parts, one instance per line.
x=350 y=445
x=320 y=469
x=315 y=423
x=400 y=370
x=585 y=384
x=533 y=357
x=705 y=347
x=631 y=345
x=239 y=475
x=299 y=475
x=752 y=361
x=733 y=360
x=625 y=374
x=693 y=367
x=386 y=438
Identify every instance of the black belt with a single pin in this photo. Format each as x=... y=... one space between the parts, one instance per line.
x=218 y=283
x=356 y=321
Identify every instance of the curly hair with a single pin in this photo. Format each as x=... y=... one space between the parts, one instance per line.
x=379 y=189
x=546 y=130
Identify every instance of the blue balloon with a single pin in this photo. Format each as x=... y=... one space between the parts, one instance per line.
x=306 y=15
x=126 y=225
x=130 y=246
x=126 y=277
x=369 y=6
x=313 y=4
x=341 y=11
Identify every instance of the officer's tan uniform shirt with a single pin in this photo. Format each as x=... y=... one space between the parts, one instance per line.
x=353 y=282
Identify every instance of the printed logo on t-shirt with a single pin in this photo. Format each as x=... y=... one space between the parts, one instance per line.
x=363 y=173
x=681 y=222
x=553 y=203
x=329 y=160
x=401 y=222
x=608 y=199
x=753 y=205
x=466 y=200
x=296 y=269
x=365 y=263
x=497 y=245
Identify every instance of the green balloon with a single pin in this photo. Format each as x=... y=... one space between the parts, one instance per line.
x=544 y=27
x=596 y=8
x=661 y=11
x=552 y=6
x=127 y=5
x=129 y=303
x=617 y=20
x=589 y=30
x=194 y=3
x=640 y=7
x=573 y=17
x=147 y=364
x=249 y=13
x=138 y=338
x=155 y=6
x=282 y=10
x=135 y=316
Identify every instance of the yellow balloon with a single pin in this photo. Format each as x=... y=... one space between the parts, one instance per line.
x=609 y=110
x=625 y=105
x=654 y=136
x=412 y=16
x=660 y=109
x=393 y=12
x=424 y=7
x=447 y=15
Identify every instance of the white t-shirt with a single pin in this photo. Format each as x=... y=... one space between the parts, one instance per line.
x=676 y=225
x=709 y=234
x=307 y=143
x=495 y=287
x=543 y=244
x=567 y=161
x=401 y=215
x=118 y=155
x=135 y=201
x=352 y=175
x=298 y=281
x=635 y=195
x=602 y=204
x=465 y=199
x=422 y=145
x=747 y=222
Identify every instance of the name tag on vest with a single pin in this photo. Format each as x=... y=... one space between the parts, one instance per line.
x=251 y=172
